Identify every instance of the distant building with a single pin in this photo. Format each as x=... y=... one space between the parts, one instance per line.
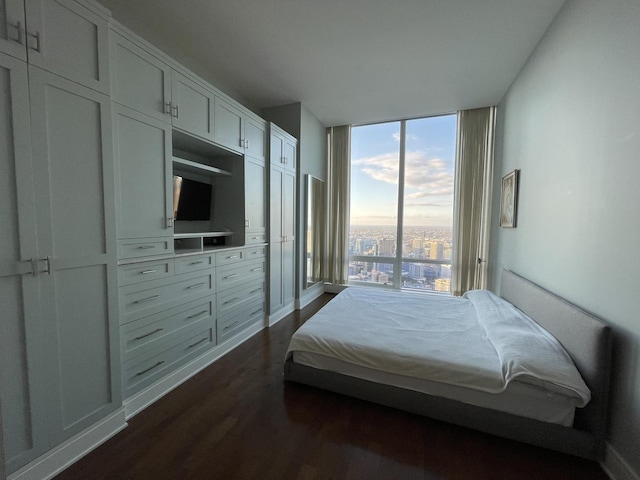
x=436 y=250
x=386 y=247
x=442 y=285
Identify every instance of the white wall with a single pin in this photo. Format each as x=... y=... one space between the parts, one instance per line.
x=571 y=123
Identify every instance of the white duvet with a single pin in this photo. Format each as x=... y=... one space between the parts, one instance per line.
x=479 y=341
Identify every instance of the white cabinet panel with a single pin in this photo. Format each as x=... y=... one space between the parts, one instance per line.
x=139 y=80
x=68 y=39
x=74 y=179
x=12 y=31
x=255 y=134
x=255 y=204
x=19 y=373
x=143 y=170
x=192 y=106
x=228 y=126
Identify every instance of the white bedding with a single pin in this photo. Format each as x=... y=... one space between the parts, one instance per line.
x=478 y=342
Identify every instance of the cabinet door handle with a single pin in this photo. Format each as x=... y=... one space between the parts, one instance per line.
x=148 y=334
x=35 y=36
x=47 y=262
x=147 y=272
x=231 y=276
x=148 y=299
x=175 y=108
x=196 y=285
x=149 y=369
x=167 y=108
x=256 y=269
x=197 y=343
x=18 y=28
x=145 y=247
x=231 y=301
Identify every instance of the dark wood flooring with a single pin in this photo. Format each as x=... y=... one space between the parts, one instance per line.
x=237 y=419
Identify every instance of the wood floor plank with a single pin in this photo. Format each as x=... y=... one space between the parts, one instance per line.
x=237 y=419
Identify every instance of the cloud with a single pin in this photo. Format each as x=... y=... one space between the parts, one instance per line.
x=430 y=176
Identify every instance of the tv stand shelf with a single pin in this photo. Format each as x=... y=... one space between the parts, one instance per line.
x=187 y=166
x=186 y=243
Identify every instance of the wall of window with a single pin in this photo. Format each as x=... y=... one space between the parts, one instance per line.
x=401 y=213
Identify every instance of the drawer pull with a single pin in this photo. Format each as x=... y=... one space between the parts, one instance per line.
x=142 y=300
x=197 y=314
x=147 y=272
x=259 y=252
x=257 y=311
x=232 y=324
x=256 y=269
x=256 y=290
x=231 y=276
x=145 y=247
x=198 y=342
x=149 y=334
x=196 y=263
x=196 y=285
x=231 y=301
x=232 y=256
x=149 y=369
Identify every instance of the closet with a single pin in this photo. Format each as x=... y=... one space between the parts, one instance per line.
x=57 y=253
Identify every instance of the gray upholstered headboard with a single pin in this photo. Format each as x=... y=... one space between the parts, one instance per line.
x=584 y=336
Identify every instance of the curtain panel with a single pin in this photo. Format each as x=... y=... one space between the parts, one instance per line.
x=339 y=184
x=472 y=205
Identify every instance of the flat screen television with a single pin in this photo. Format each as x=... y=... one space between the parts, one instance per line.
x=191 y=199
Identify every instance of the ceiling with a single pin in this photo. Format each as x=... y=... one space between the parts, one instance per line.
x=348 y=61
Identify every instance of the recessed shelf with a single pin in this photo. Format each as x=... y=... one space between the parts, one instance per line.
x=184 y=243
x=182 y=165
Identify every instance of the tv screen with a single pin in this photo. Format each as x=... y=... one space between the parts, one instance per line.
x=191 y=199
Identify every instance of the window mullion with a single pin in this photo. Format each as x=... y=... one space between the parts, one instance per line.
x=397 y=266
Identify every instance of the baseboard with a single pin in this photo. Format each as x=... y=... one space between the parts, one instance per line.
x=616 y=467
x=312 y=293
x=279 y=315
x=333 y=288
x=57 y=459
x=152 y=393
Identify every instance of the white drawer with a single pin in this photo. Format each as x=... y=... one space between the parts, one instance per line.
x=240 y=274
x=140 y=335
x=252 y=238
x=145 y=271
x=194 y=263
x=229 y=299
x=145 y=247
x=240 y=319
x=256 y=252
x=229 y=256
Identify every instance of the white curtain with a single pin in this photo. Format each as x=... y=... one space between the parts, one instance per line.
x=472 y=209
x=339 y=153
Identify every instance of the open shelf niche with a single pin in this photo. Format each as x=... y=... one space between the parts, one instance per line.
x=203 y=162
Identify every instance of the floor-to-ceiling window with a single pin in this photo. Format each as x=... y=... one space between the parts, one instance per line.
x=401 y=225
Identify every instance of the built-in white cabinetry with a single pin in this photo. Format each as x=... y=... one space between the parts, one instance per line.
x=61 y=36
x=282 y=239
x=57 y=261
x=142 y=147
x=238 y=130
x=192 y=106
x=255 y=179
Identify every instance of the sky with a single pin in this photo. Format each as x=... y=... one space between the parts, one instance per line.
x=429 y=175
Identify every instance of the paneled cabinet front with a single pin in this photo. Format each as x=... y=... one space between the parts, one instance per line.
x=60 y=36
x=143 y=171
x=57 y=261
x=167 y=316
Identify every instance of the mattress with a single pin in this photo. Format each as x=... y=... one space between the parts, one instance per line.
x=479 y=350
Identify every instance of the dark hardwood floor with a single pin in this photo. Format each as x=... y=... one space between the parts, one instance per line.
x=237 y=419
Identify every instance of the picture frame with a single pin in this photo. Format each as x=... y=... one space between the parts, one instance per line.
x=509 y=199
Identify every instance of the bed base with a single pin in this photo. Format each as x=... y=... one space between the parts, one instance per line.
x=534 y=432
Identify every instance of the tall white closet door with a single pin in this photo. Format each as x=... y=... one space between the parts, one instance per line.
x=289 y=231
x=18 y=281
x=275 y=239
x=73 y=180
x=12 y=28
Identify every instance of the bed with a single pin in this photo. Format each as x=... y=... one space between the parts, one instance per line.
x=471 y=373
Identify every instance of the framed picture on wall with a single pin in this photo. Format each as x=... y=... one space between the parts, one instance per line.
x=509 y=200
